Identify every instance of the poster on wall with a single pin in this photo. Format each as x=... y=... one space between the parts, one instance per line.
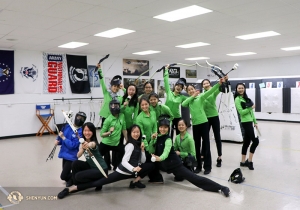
x=161 y=87
x=6 y=72
x=55 y=68
x=93 y=76
x=174 y=72
x=190 y=73
x=298 y=84
x=251 y=85
x=139 y=84
x=271 y=100
x=295 y=100
x=78 y=74
x=135 y=67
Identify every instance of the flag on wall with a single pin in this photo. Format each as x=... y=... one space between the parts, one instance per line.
x=78 y=74
x=6 y=72
x=54 y=73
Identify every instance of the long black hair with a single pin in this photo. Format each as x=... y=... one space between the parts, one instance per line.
x=236 y=94
x=92 y=128
x=134 y=99
x=136 y=143
x=204 y=81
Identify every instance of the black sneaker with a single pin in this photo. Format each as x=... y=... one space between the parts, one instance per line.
x=63 y=193
x=250 y=165
x=207 y=171
x=219 y=162
x=197 y=170
x=225 y=191
x=69 y=183
x=138 y=184
x=98 y=188
x=245 y=164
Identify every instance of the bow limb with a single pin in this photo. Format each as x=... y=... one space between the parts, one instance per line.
x=116 y=57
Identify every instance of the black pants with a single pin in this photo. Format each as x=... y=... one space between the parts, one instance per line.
x=104 y=149
x=214 y=122
x=199 y=181
x=180 y=178
x=107 y=155
x=154 y=174
x=202 y=131
x=66 y=174
x=82 y=172
x=249 y=135
x=116 y=176
x=175 y=125
x=116 y=156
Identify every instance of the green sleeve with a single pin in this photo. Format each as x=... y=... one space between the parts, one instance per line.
x=206 y=94
x=139 y=123
x=192 y=150
x=254 y=119
x=239 y=108
x=105 y=127
x=166 y=81
x=102 y=83
x=167 y=149
x=176 y=147
x=151 y=147
x=168 y=112
x=124 y=122
x=136 y=112
x=186 y=102
x=216 y=92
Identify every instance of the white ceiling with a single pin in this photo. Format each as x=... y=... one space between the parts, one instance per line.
x=43 y=25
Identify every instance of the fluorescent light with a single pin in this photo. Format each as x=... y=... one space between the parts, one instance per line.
x=114 y=32
x=241 y=54
x=183 y=13
x=73 y=45
x=291 y=48
x=146 y=52
x=196 y=44
x=197 y=58
x=258 y=35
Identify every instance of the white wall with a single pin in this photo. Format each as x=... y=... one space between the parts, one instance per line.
x=17 y=110
x=268 y=68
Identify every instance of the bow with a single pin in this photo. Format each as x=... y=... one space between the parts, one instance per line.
x=136 y=80
x=100 y=61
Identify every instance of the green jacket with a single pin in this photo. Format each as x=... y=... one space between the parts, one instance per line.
x=148 y=125
x=105 y=112
x=119 y=124
x=196 y=105
x=247 y=114
x=130 y=113
x=210 y=107
x=162 y=109
x=185 y=146
x=172 y=101
x=167 y=149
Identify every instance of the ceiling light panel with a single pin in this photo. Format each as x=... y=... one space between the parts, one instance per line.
x=183 y=13
x=114 y=32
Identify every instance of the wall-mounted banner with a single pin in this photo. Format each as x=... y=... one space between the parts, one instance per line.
x=251 y=85
x=174 y=72
x=190 y=73
x=29 y=73
x=6 y=72
x=135 y=67
x=93 y=76
x=78 y=74
x=55 y=68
